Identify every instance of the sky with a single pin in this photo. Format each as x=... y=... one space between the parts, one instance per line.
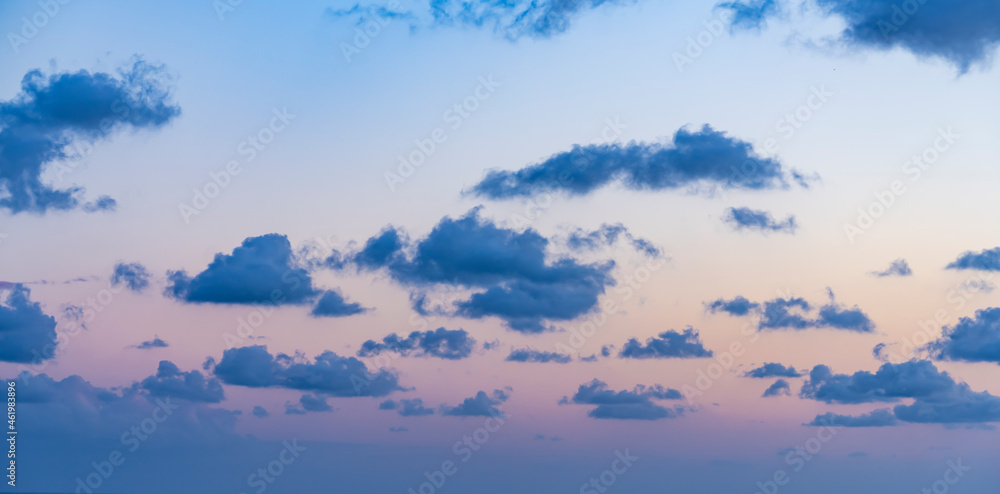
x=579 y=246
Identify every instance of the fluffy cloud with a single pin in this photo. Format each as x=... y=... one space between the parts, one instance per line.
x=668 y=344
x=328 y=373
x=60 y=117
x=879 y=418
x=636 y=404
x=481 y=405
x=738 y=306
x=702 y=157
x=169 y=381
x=510 y=272
x=986 y=260
x=975 y=339
x=441 y=343
x=333 y=304
x=133 y=276
x=762 y=221
x=308 y=403
x=26 y=333
x=779 y=388
x=797 y=313
x=772 y=369
x=407 y=408
x=260 y=271
x=608 y=235
x=529 y=355
x=937 y=397
x=899 y=267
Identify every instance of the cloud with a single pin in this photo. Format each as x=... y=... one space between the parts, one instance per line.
x=899 y=267
x=133 y=276
x=987 y=260
x=308 y=403
x=441 y=343
x=937 y=397
x=702 y=157
x=156 y=342
x=169 y=381
x=529 y=355
x=510 y=272
x=636 y=404
x=761 y=221
x=381 y=249
x=260 y=412
x=481 y=405
x=779 y=388
x=608 y=235
x=60 y=117
x=879 y=418
x=668 y=344
x=26 y=333
x=333 y=304
x=515 y=19
x=750 y=15
x=738 y=306
x=260 y=271
x=407 y=408
x=975 y=339
x=772 y=369
x=328 y=373
x=798 y=314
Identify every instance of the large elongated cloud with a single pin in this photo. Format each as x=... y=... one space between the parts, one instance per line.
x=975 y=339
x=937 y=397
x=772 y=369
x=26 y=333
x=328 y=373
x=60 y=116
x=701 y=157
x=441 y=343
x=510 y=273
x=797 y=313
x=636 y=404
x=986 y=260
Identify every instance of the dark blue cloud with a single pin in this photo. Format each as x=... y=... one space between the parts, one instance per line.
x=133 y=276
x=636 y=404
x=878 y=418
x=608 y=235
x=773 y=369
x=156 y=342
x=328 y=373
x=169 y=381
x=937 y=397
x=333 y=304
x=260 y=412
x=796 y=313
x=26 y=333
x=738 y=306
x=308 y=403
x=61 y=116
x=779 y=388
x=986 y=260
x=260 y=271
x=529 y=355
x=514 y=19
x=380 y=250
x=668 y=344
x=515 y=278
x=441 y=343
x=752 y=14
x=481 y=405
x=761 y=221
x=899 y=267
x=407 y=408
x=975 y=339
x=701 y=157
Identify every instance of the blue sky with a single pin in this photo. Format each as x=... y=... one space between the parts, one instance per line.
x=480 y=246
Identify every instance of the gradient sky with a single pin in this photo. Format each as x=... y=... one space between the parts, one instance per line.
x=650 y=229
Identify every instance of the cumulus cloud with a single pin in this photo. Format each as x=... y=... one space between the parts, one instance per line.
x=742 y=219
x=328 y=373
x=608 y=235
x=668 y=344
x=899 y=267
x=407 y=408
x=738 y=306
x=61 y=116
x=481 y=405
x=333 y=304
x=441 y=343
x=260 y=412
x=529 y=355
x=510 y=273
x=937 y=397
x=779 y=388
x=878 y=418
x=773 y=369
x=133 y=276
x=26 y=333
x=798 y=314
x=701 y=157
x=972 y=339
x=260 y=271
x=986 y=260
x=308 y=403
x=169 y=381
x=636 y=404
x=156 y=342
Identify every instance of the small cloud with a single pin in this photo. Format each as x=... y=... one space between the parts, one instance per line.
x=156 y=342
x=761 y=221
x=899 y=267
